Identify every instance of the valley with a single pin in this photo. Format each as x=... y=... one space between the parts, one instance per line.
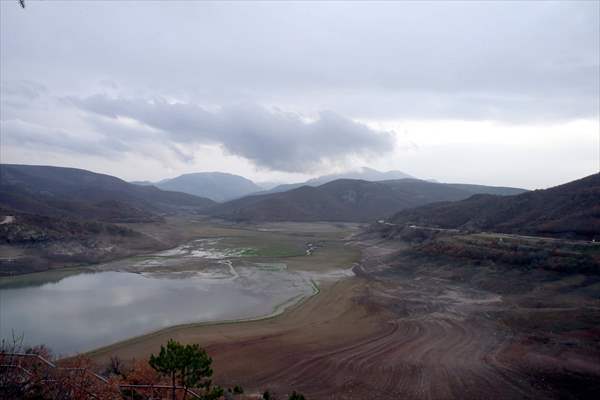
x=306 y=200
x=226 y=273
x=408 y=326
x=456 y=295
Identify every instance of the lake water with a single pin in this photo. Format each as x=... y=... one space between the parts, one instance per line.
x=88 y=310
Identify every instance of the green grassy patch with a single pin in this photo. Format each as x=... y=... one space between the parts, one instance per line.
x=266 y=246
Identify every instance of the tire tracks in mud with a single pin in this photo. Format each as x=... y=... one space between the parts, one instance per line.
x=410 y=359
x=443 y=352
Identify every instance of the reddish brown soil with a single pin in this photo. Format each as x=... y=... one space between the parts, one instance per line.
x=386 y=334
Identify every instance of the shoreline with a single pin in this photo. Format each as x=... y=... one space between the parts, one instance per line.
x=8 y=281
x=280 y=309
x=314 y=268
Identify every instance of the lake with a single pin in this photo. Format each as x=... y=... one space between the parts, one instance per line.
x=128 y=298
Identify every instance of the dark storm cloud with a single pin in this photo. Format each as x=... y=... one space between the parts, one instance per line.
x=274 y=139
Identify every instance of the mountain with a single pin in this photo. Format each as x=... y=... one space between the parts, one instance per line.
x=481 y=189
x=143 y=183
x=340 y=200
x=217 y=186
x=364 y=173
x=268 y=185
x=77 y=193
x=569 y=210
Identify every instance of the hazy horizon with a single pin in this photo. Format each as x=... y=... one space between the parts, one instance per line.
x=495 y=93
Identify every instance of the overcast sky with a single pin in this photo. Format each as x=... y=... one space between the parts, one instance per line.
x=501 y=93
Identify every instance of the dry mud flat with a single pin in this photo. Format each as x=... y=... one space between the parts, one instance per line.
x=401 y=332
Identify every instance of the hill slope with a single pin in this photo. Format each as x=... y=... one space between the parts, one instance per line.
x=77 y=193
x=217 y=186
x=482 y=189
x=364 y=173
x=340 y=200
x=572 y=209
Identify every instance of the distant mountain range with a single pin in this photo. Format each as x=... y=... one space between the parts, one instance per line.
x=364 y=173
x=77 y=193
x=220 y=186
x=347 y=200
x=217 y=186
x=571 y=210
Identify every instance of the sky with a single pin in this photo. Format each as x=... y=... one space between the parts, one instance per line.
x=498 y=93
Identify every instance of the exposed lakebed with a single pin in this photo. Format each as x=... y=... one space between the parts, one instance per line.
x=202 y=281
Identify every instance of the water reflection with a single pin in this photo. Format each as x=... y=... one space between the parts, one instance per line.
x=85 y=311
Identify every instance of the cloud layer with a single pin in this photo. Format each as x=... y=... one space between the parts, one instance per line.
x=247 y=82
x=510 y=61
x=273 y=139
